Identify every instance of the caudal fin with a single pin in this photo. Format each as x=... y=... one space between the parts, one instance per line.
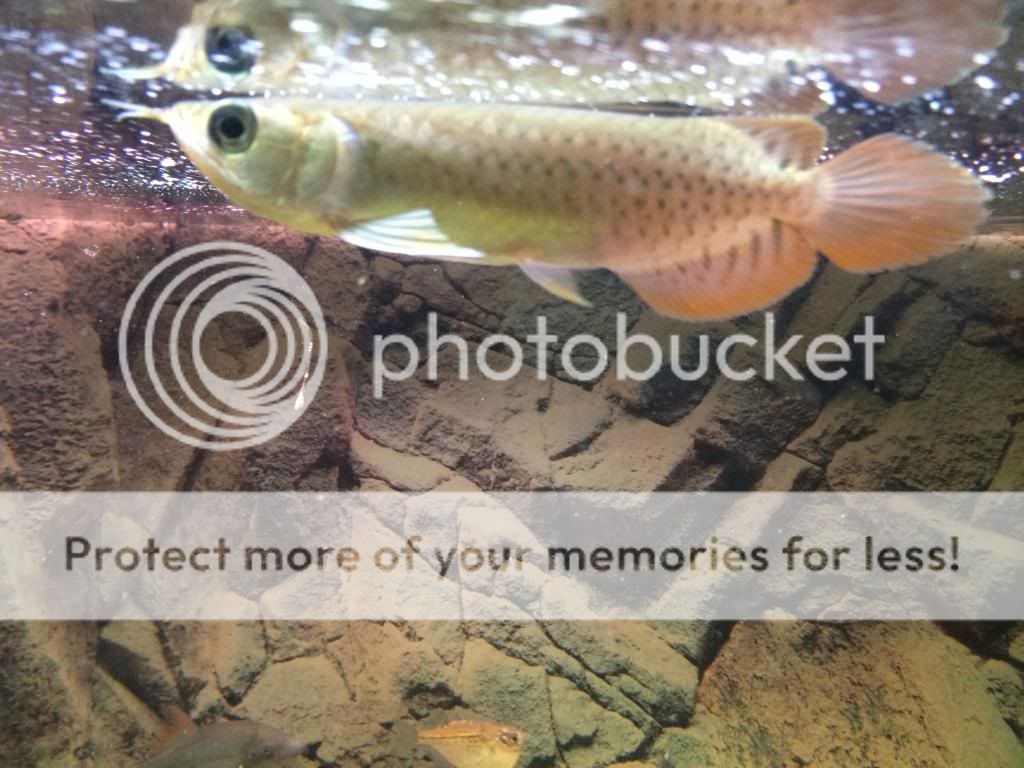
x=890 y=202
x=892 y=50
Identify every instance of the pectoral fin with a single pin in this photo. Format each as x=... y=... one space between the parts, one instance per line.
x=414 y=233
x=558 y=281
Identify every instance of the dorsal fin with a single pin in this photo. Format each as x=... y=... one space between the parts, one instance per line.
x=786 y=95
x=797 y=142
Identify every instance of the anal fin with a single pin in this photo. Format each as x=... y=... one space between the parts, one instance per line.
x=774 y=261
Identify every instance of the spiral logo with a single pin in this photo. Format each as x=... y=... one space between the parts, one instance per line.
x=234 y=346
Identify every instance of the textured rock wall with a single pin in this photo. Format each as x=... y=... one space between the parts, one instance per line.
x=946 y=412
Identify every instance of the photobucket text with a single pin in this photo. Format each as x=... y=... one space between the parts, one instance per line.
x=585 y=357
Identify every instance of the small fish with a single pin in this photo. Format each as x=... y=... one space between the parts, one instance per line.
x=472 y=744
x=704 y=217
x=752 y=56
x=231 y=744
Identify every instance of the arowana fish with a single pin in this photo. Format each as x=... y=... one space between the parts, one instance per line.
x=704 y=217
x=472 y=744
x=730 y=55
x=231 y=744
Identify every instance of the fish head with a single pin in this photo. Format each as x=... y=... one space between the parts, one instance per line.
x=473 y=744
x=268 y=745
x=283 y=159
x=234 y=45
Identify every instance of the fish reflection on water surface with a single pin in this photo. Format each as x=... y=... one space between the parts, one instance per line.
x=729 y=55
x=703 y=217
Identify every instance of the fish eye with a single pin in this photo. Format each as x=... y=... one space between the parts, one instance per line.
x=233 y=128
x=231 y=50
x=510 y=739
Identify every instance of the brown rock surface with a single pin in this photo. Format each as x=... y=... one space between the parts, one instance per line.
x=946 y=413
x=783 y=695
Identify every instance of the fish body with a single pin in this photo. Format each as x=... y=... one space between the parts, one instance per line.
x=728 y=55
x=472 y=744
x=235 y=744
x=704 y=217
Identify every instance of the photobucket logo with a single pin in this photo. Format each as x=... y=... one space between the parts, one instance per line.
x=826 y=357
x=275 y=376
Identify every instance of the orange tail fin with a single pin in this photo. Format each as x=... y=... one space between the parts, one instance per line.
x=892 y=50
x=890 y=202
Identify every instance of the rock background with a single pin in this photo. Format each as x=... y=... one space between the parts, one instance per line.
x=946 y=413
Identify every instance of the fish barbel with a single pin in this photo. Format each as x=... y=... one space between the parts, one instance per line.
x=472 y=744
x=729 y=55
x=230 y=744
x=704 y=217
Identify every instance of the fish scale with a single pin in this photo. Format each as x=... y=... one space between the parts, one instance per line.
x=775 y=23
x=657 y=191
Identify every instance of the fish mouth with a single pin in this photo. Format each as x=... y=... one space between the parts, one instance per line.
x=135 y=74
x=177 y=64
x=131 y=111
